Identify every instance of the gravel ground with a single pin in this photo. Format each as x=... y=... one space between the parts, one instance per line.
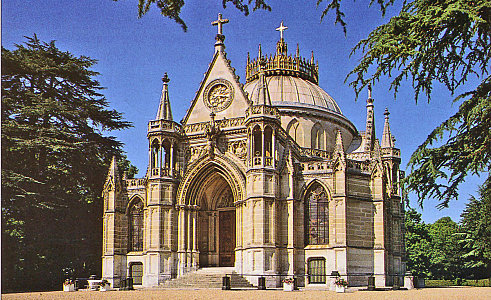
x=473 y=293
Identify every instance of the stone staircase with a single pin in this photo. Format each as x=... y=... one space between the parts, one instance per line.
x=208 y=278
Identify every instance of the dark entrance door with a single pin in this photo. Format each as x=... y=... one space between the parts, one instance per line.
x=227 y=238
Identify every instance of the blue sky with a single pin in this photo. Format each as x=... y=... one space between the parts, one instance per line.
x=134 y=54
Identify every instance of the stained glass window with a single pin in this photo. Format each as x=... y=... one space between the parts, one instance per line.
x=317 y=216
x=136 y=227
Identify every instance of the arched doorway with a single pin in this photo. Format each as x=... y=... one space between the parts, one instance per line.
x=216 y=222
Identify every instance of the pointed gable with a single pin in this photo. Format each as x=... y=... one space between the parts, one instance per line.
x=220 y=92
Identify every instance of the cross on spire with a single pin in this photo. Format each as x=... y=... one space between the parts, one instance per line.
x=281 y=29
x=219 y=23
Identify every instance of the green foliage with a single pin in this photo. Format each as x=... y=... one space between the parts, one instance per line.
x=446 y=262
x=438 y=42
x=418 y=244
x=456 y=282
x=54 y=160
x=172 y=8
x=448 y=251
x=439 y=283
x=339 y=15
x=475 y=234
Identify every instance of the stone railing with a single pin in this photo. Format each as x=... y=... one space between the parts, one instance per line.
x=315 y=166
x=358 y=155
x=263 y=110
x=391 y=152
x=162 y=172
x=198 y=127
x=258 y=161
x=361 y=166
x=158 y=125
x=135 y=183
x=316 y=152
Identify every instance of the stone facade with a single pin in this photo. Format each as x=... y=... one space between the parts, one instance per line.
x=268 y=177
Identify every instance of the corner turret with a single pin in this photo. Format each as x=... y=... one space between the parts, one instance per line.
x=163 y=135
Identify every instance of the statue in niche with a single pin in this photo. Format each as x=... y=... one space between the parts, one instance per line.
x=212 y=131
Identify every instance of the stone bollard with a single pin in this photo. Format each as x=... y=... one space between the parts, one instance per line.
x=371 y=283
x=261 y=283
x=395 y=283
x=225 y=283
x=129 y=283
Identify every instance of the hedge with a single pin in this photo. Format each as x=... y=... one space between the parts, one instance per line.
x=457 y=282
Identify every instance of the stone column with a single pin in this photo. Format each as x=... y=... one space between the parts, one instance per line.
x=273 y=146
x=181 y=235
x=189 y=244
x=263 y=148
x=171 y=162
x=195 y=239
x=291 y=236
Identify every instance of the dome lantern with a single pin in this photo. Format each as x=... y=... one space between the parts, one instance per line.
x=283 y=64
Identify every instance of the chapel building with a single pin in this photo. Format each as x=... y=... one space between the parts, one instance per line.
x=268 y=177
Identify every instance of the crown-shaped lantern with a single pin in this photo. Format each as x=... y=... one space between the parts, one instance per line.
x=282 y=63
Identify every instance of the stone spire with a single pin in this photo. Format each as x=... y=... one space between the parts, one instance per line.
x=370 y=125
x=113 y=168
x=262 y=91
x=387 y=138
x=339 y=142
x=113 y=175
x=164 y=112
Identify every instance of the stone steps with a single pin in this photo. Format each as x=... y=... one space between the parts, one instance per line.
x=207 y=278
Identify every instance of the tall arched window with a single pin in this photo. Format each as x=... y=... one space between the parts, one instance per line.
x=155 y=157
x=268 y=146
x=135 y=217
x=317 y=136
x=257 y=147
x=293 y=130
x=166 y=148
x=316 y=216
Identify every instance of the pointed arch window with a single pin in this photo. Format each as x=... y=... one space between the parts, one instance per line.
x=135 y=217
x=257 y=148
x=317 y=136
x=293 y=130
x=316 y=216
x=268 y=146
x=155 y=155
x=166 y=163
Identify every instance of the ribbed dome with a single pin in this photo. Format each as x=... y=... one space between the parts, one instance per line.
x=294 y=91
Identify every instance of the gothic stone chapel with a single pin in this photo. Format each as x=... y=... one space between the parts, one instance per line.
x=266 y=178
